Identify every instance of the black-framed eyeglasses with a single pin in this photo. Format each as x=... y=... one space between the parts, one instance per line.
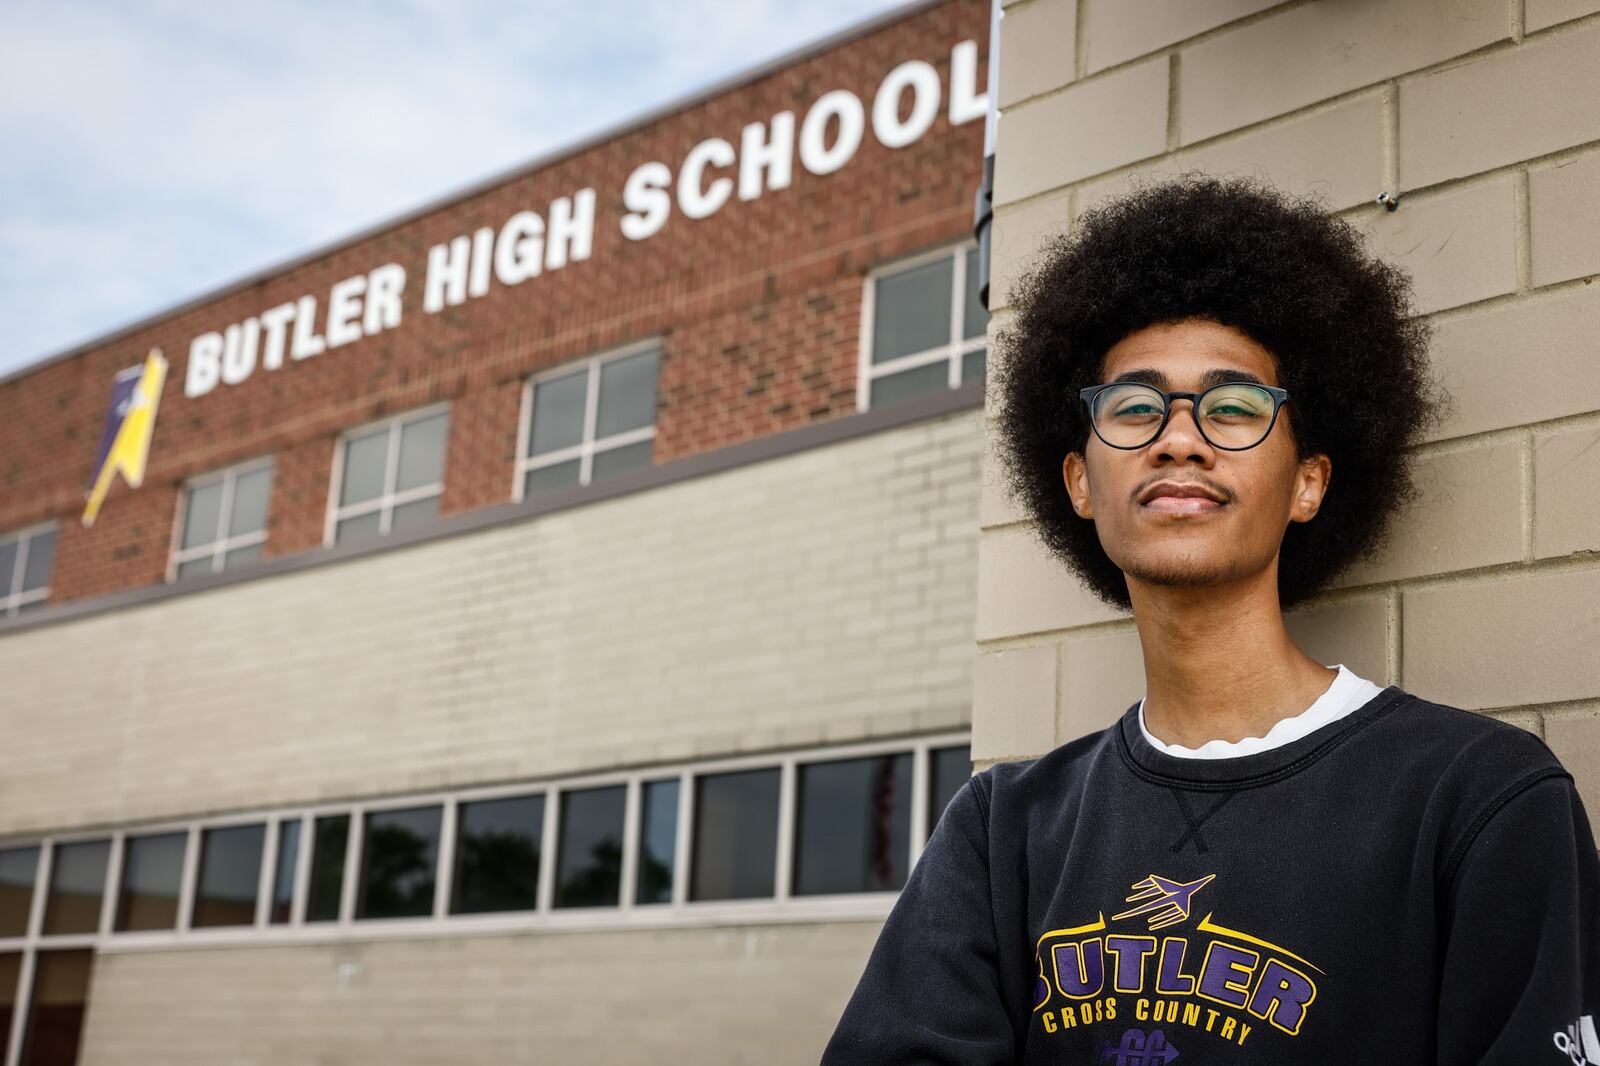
x=1232 y=415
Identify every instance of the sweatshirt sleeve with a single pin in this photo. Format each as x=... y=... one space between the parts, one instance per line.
x=931 y=991
x=1521 y=971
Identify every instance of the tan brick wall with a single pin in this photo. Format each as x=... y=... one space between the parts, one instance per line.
x=755 y=995
x=817 y=597
x=1481 y=115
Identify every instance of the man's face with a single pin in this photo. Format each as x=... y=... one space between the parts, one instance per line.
x=1262 y=488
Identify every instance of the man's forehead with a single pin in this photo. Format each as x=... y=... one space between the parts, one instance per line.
x=1200 y=353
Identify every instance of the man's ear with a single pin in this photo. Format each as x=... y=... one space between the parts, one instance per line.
x=1075 y=474
x=1310 y=485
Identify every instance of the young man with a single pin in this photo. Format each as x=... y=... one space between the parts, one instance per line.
x=1207 y=397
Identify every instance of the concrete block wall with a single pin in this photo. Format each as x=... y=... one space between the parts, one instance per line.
x=818 y=597
x=1481 y=115
x=762 y=996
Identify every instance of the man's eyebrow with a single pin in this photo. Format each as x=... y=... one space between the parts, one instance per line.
x=1214 y=376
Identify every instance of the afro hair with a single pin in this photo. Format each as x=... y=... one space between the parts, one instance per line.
x=1280 y=269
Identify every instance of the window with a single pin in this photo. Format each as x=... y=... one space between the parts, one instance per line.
x=389 y=476
x=287 y=863
x=230 y=876
x=923 y=327
x=589 y=856
x=658 y=841
x=152 y=872
x=585 y=423
x=497 y=855
x=948 y=770
x=77 y=885
x=735 y=835
x=853 y=826
x=25 y=558
x=60 y=997
x=18 y=868
x=10 y=977
x=223 y=521
x=330 y=837
x=399 y=863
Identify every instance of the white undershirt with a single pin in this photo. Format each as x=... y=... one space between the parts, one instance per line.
x=1347 y=692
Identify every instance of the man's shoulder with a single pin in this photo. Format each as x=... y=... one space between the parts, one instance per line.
x=1056 y=774
x=1443 y=741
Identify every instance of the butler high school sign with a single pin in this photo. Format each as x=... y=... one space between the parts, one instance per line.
x=709 y=177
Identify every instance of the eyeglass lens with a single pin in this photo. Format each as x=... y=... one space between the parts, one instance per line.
x=1232 y=416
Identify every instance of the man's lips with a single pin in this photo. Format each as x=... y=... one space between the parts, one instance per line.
x=1182 y=504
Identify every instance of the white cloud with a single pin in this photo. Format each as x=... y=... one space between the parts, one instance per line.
x=151 y=152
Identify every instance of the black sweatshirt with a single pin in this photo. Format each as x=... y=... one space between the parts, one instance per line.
x=1412 y=883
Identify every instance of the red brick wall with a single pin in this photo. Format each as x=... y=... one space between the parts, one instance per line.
x=758 y=305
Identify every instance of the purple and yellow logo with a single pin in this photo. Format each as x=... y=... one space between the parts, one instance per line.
x=1240 y=980
x=130 y=421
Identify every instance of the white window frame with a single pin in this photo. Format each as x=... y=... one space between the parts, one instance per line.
x=952 y=350
x=388 y=500
x=218 y=549
x=587 y=446
x=781 y=907
x=14 y=600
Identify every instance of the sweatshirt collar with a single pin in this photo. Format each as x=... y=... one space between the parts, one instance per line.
x=1243 y=771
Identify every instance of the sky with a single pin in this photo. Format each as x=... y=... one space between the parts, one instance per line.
x=153 y=151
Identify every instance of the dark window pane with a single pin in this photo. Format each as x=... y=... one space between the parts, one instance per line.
x=366 y=460
x=911 y=310
x=201 y=565
x=497 y=855
x=627 y=393
x=283 y=876
x=10 y=975
x=250 y=492
x=558 y=413
x=917 y=381
x=230 y=876
x=422 y=445
x=202 y=511
x=60 y=997
x=948 y=770
x=152 y=870
x=975 y=319
x=399 y=863
x=10 y=581
x=616 y=460
x=545 y=478
x=77 y=884
x=853 y=825
x=589 y=850
x=972 y=366
x=18 y=870
x=658 y=841
x=735 y=835
x=330 y=835
x=41 y=551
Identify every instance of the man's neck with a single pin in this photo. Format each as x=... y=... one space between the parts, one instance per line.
x=1220 y=667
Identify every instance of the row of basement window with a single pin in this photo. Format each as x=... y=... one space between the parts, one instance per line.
x=851 y=831
x=925 y=331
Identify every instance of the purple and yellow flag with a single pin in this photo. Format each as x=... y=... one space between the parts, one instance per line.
x=130 y=422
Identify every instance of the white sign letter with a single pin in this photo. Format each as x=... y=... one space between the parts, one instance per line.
x=205 y=364
x=814 y=152
x=384 y=286
x=775 y=156
x=447 y=275
x=344 y=310
x=239 y=343
x=571 y=224
x=519 y=249
x=305 y=343
x=692 y=201
x=924 y=83
x=274 y=322
x=645 y=197
x=966 y=102
x=482 y=257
